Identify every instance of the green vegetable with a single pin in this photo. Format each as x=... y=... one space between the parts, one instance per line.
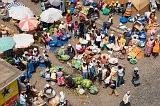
x=61 y=52
x=65 y=57
x=78 y=80
x=76 y=64
x=93 y=90
x=86 y=83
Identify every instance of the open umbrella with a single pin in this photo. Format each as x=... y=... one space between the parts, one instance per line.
x=23 y=40
x=55 y=2
x=51 y=15
x=20 y=12
x=28 y=24
x=6 y=43
x=14 y=4
x=8 y=1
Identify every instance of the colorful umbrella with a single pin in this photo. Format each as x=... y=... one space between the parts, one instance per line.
x=28 y=24
x=55 y=2
x=20 y=12
x=14 y=4
x=51 y=15
x=23 y=40
x=6 y=43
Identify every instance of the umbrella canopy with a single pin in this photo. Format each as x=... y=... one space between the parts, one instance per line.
x=6 y=43
x=8 y=1
x=20 y=12
x=55 y=2
x=51 y=15
x=14 y=4
x=28 y=24
x=23 y=40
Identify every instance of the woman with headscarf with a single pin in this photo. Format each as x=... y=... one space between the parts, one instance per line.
x=136 y=77
x=149 y=46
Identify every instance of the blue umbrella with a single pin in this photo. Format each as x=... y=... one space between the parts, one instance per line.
x=6 y=43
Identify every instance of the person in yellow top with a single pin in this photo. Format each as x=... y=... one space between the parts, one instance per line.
x=156 y=48
x=121 y=41
x=117 y=7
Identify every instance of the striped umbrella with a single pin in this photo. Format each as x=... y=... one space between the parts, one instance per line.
x=23 y=40
x=14 y=4
x=6 y=43
x=28 y=24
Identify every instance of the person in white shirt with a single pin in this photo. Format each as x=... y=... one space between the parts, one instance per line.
x=23 y=98
x=62 y=25
x=80 y=48
x=98 y=40
x=126 y=99
x=120 y=75
x=84 y=71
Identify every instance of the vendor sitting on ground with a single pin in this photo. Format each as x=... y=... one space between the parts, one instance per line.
x=90 y=12
x=80 y=48
x=70 y=51
x=48 y=91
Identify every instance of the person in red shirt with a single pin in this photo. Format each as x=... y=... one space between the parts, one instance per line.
x=104 y=60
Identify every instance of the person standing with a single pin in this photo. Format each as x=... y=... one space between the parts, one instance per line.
x=85 y=71
x=136 y=77
x=126 y=99
x=120 y=76
x=23 y=98
x=149 y=46
x=75 y=27
x=113 y=86
x=92 y=72
x=156 y=48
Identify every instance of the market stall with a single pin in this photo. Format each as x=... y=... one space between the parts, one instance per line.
x=9 y=93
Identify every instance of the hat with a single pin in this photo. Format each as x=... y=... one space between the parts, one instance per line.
x=136 y=68
x=62 y=47
x=47 y=85
x=23 y=91
x=100 y=69
x=96 y=8
x=91 y=6
x=152 y=37
x=91 y=64
x=138 y=15
x=92 y=29
x=86 y=19
x=119 y=36
x=129 y=1
x=69 y=45
x=25 y=52
x=153 y=10
x=47 y=69
x=62 y=22
x=61 y=93
x=128 y=92
x=94 y=59
x=35 y=49
x=112 y=1
x=116 y=1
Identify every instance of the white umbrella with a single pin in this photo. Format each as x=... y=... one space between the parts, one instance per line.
x=23 y=40
x=8 y=1
x=55 y=2
x=20 y=12
x=51 y=15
